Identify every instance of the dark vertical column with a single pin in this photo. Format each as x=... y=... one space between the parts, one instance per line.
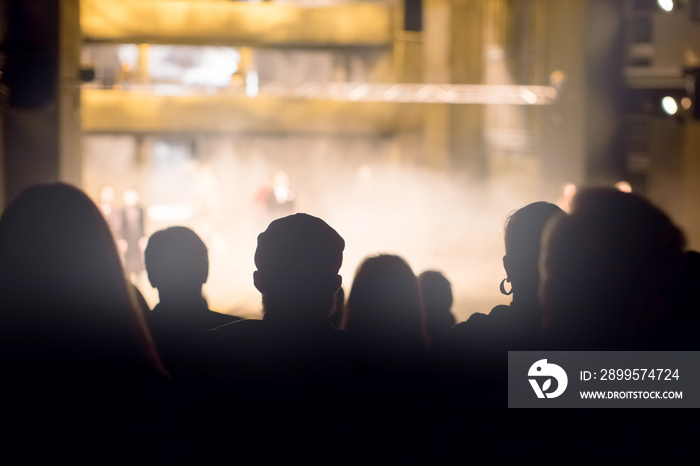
x=69 y=81
x=408 y=68
x=605 y=90
x=3 y=95
x=467 y=67
x=31 y=118
x=437 y=46
x=563 y=139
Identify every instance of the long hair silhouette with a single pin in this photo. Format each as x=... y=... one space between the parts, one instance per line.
x=62 y=287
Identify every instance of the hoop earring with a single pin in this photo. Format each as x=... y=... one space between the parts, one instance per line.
x=503 y=287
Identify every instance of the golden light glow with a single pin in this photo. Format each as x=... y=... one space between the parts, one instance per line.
x=624 y=186
x=238 y=23
x=105 y=110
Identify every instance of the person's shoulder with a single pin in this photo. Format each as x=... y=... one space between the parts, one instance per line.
x=479 y=329
x=240 y=335
x=500 y=311
x=459 y=333
x=217 y=319
x=236 y=327
x=475 y=320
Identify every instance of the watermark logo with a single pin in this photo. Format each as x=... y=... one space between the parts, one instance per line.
x=542 y=371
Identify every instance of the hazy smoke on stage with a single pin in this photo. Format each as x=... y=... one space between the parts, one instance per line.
x=235 y=186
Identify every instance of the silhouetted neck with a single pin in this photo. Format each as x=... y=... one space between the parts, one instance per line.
x=190 y=302
x=525 y=299
x=292 y=319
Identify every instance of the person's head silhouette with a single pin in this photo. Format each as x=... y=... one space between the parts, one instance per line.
x=177 y=263
x=62 y=284
x=436 y=293
x=74 y=343
x=605 y=270
x=384 y=302
x=523 y=232
x=297 y=259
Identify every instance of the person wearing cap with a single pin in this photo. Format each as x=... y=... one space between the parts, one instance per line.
x=293 y=354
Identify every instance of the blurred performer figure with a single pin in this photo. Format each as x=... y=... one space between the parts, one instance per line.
x=110 y=211
x=278 y=198
x=133 y=237
x=208 y=217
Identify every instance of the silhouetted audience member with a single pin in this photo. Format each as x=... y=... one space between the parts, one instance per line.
x=522 y=319
x=293 y=362
x=607 y=272
x=385 y=309
x=685 y=301
x=436 y=293
x=177 y=264
x=78 y=361
x=133 y=232
x=472 y=359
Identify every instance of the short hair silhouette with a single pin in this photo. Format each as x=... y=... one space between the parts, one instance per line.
x=522 y=235
x=297 y=259
x=175 y=258
x=606 y=267
x=178 y=266
x=436 y=289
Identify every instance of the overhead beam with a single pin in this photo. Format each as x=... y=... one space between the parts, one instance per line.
x=235 y=23
x=105 y=110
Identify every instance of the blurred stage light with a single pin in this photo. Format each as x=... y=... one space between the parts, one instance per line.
x=669 y=105
x=251 y=84
x=458 y=94
x=686 y=103
x=128 y=54
x=485 y=94
x=215 y=68
x=624 y=186
x=666 y=5
x=556 y=79
x=528 y=96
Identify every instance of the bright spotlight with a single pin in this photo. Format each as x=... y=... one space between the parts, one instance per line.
x=623 y=186
x=669 y=105
x=251 y=84
x=666 y=5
